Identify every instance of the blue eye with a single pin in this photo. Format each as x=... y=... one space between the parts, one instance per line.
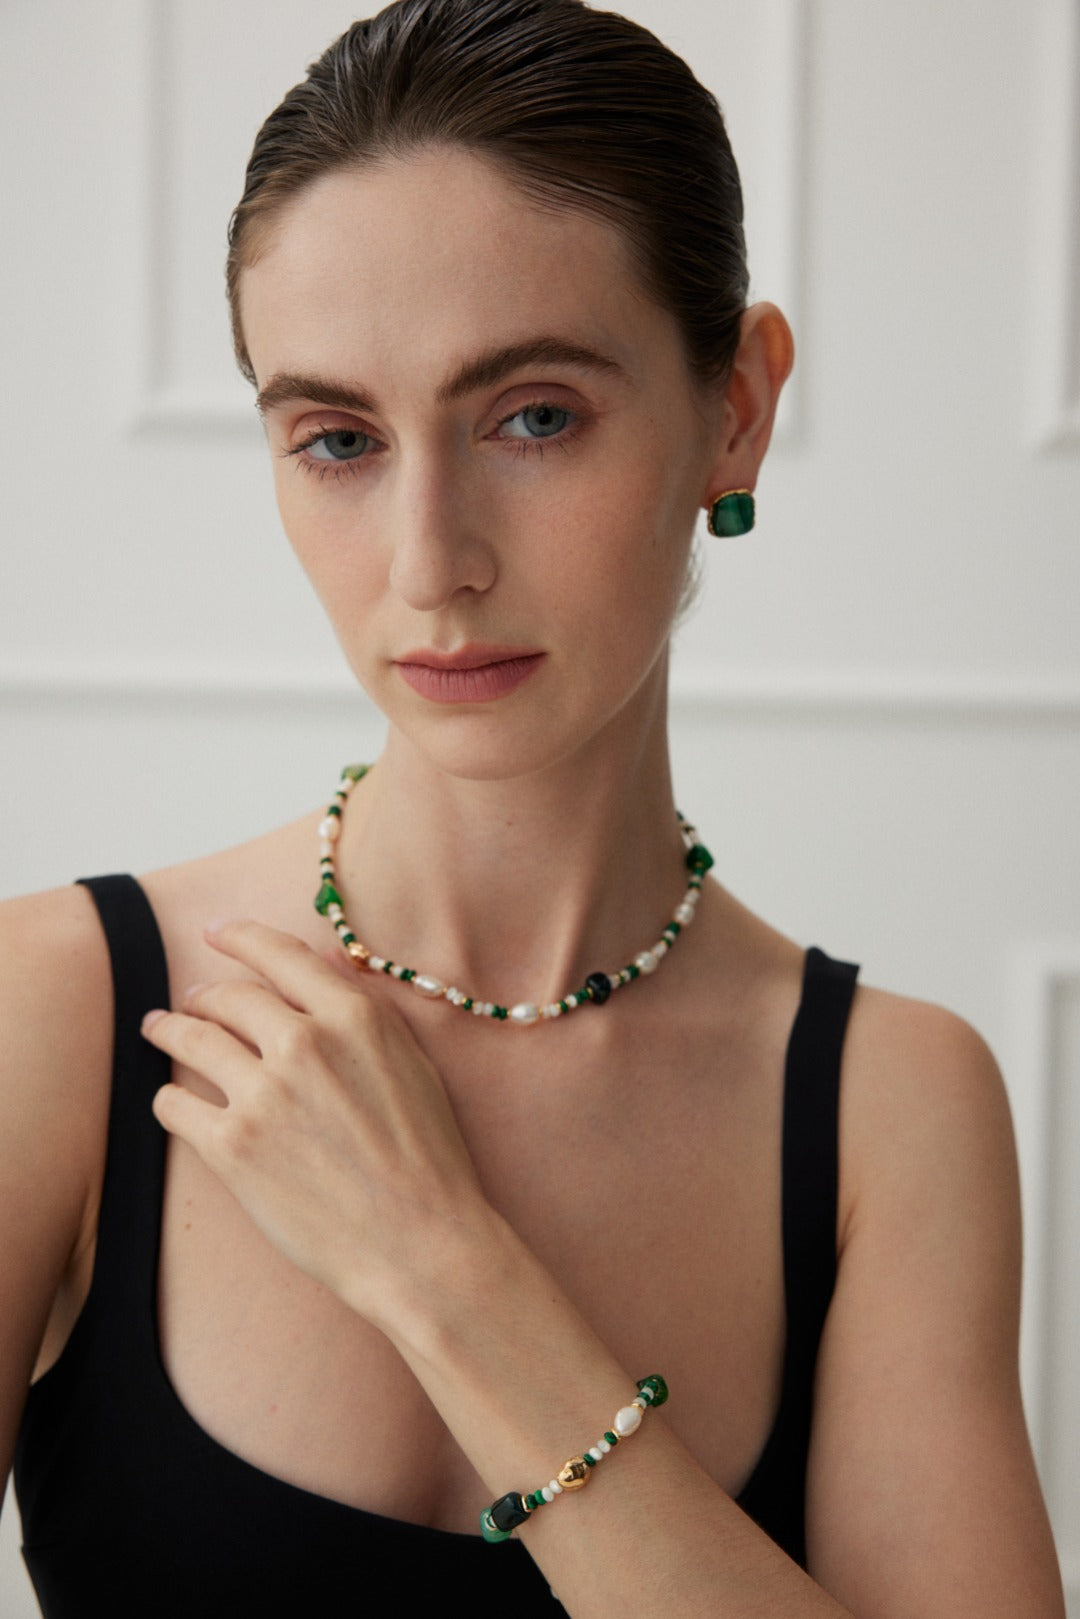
x=343 y=444
x=540 y=421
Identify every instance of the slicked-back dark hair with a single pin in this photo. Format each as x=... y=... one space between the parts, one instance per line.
x=577 y=108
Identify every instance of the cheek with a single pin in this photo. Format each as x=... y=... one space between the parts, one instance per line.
x=630 y=549
x=326 y=539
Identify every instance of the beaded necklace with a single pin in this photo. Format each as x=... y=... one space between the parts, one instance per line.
x=596 y=988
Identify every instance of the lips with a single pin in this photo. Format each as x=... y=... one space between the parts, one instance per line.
x=473 y=656
x=477 y=673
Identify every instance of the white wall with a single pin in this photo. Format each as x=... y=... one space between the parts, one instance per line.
x=877 y=706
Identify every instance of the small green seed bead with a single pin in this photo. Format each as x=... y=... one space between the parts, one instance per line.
x=500 y=1013
x=612 y=1438
x=590 y=1461
x=408 y=974
x=467 y=1004
x=347 y=937
x=563 y=1006
x=334 y=809
x=387 y=966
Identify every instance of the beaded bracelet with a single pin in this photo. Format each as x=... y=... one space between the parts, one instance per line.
x=502 y=1517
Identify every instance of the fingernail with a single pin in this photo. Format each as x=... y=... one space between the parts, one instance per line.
x=152 y=1017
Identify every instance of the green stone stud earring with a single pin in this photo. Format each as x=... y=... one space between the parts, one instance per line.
x=731 y=513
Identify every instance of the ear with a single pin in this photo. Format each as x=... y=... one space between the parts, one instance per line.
x=762 y=365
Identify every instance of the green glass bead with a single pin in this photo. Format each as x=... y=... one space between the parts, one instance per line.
x=467 y=1003
x=500 y=1013
x=633 y=969
x=489 y=1531
x=656 y=1383
x=590 y=1461
x=408 y=974
x=387 y=966
x=612 y=1438
x=698 y=858
x=563 y=1006
x=335 y=809
x=347 y=937
x=732 y=514
x=327 y=896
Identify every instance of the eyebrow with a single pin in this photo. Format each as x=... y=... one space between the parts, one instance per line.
x=479 y=372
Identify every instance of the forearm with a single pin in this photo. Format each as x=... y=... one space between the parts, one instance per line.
x=524 y=1383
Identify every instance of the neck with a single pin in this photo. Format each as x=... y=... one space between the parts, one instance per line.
x=516 y=889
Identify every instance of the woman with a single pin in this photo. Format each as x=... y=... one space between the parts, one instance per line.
x=411 y=1258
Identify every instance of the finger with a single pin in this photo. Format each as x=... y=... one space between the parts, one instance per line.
x=204 y=1047
x=252 y=1012
x=285 y=961
x=184 y=1114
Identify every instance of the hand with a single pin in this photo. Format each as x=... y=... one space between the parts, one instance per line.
x=338 y=1138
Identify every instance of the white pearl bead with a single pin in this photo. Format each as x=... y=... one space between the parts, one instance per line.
x=330 y=828
x=548 y=1493
x=396 y=970
x=684 y=913
x=335 y=913
x=376 y=963
x=553 y=1009
x=571 y=1000
x=596 y=1453
x=326 y=849
x=554 y=1486
x=477 y=1008
x=603 y=1445
x=524 y=1013
x=627 y=1421
x=645 y=962
x=432 y=987
x=660 y=949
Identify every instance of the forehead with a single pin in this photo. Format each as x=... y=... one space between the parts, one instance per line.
x=408 y=263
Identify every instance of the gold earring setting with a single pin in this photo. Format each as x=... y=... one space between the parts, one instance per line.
x=731 y=513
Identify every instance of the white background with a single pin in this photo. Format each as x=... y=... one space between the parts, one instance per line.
x=877 y=705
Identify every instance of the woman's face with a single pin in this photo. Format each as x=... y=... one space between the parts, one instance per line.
x=487 y=450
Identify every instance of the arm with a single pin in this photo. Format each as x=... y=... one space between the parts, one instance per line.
x=55 y=1047
x=339 y=1141
x=923 y=1495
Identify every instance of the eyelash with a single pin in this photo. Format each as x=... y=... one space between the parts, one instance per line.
x=521 y=446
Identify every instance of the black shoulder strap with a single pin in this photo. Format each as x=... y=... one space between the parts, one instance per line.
x=130 y=1217
x=775 y=1494
x=810 y=1152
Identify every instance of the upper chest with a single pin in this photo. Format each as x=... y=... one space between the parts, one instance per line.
x=644 y=1172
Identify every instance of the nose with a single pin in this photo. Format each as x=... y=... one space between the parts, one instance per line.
x=439 y=546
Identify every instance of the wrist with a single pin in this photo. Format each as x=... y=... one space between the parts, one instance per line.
x=435 y=1295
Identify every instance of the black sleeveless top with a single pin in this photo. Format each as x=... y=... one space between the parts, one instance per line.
x=129 y=1506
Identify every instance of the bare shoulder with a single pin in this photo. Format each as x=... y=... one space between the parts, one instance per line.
x=922 y=1097
x=56 y=1019
x=55 y=1062
x=922 y=1492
